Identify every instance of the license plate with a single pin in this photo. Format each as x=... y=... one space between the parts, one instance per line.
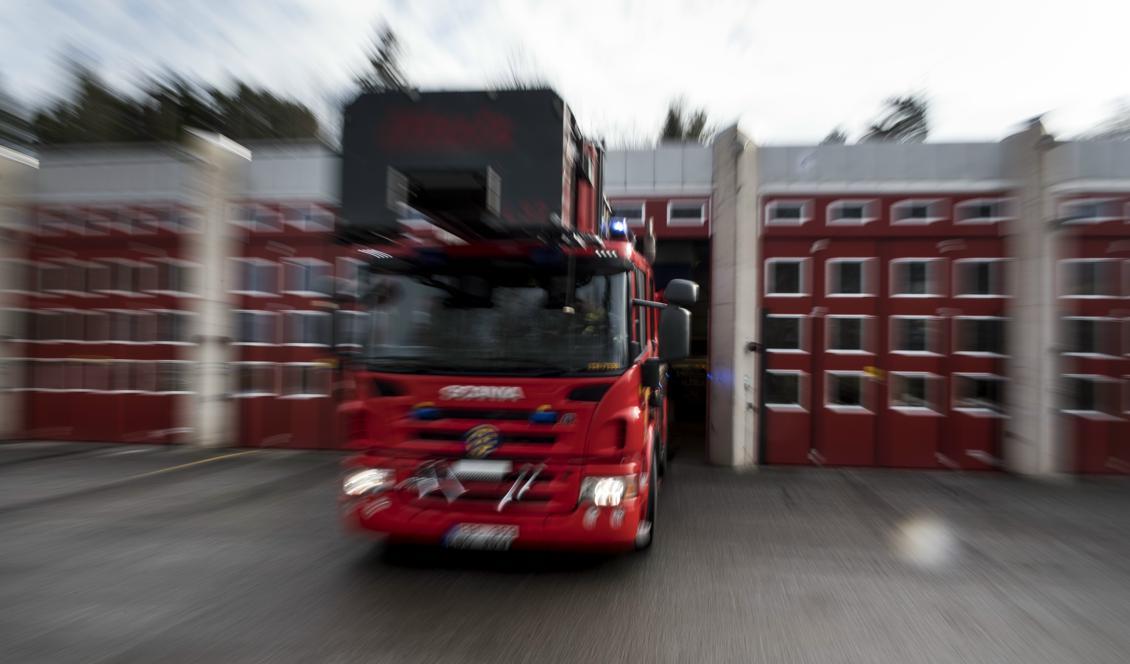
x=485 y=536
x=481 y=469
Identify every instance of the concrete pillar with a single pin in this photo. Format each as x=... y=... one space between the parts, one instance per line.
x=1033 y=442
x=221 y=172
x=733 y=304
x=16 y=172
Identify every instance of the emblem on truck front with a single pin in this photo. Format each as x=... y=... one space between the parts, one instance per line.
x=480 y=441
x=481 y=393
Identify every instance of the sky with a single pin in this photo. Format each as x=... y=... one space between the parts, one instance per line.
x=787 y=71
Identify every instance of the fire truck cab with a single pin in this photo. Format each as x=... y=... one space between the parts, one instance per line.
x=511 y=387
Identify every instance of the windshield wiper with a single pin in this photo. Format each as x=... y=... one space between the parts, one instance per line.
x=402 y=365
x=500 y=366
x=531 y=367
x=507 y=365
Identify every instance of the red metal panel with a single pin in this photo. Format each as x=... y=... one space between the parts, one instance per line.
x=972 y=441
x=101 y=419
x=910 y=440
x=789 y=437
x=1091 y=438
x=252 y=420
x=847 y=438
x=48 y=418
x=312 y=423
x=885 y=436
x=1100 y=442
x=103 y=234
x=283 y=420
x=1118 y=449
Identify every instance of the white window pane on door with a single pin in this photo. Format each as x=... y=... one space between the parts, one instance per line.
x=910 y=391
x=631 y=212
x=845 y=334
x=845 y=390
x=912 y=335
x=686 y=213
x=847 y=277
x=785 y=277
x=977 y=392
x=264 y=326
x=783 y=333
x=782 y=389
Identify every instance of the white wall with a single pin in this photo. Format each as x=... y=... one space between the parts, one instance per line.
x=16 y=178
x=913 y=165
x=669 y=170
x=222 y=176
x=734 y=256
x=114 y=175
x=299 y=171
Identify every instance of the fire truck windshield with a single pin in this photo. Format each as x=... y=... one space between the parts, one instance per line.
x=509 y=321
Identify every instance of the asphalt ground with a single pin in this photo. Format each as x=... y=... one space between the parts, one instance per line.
x=150 y=554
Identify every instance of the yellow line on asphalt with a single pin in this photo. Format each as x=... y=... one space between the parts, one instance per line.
x=189 y=464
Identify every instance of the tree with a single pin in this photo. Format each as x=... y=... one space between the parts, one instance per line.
x=522 y=73
x=384 y=63
x=172 y=104
x=905 y=119
x=683 y=125
x=835 y=137
x=15 y=130
x=94 y=113
x=253 y=114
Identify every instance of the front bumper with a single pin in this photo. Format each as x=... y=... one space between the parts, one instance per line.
x=576 y=530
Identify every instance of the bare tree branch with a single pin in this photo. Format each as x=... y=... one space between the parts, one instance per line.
x=905 y=119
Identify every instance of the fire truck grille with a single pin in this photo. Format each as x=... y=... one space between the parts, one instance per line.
x=481 y=414
x=550 y=491
x=523 y=438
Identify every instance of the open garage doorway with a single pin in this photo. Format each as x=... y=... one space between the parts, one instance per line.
x=688 y=259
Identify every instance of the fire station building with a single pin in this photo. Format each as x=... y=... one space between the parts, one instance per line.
x=926 y=305
x=171 y=294
x=933 y=305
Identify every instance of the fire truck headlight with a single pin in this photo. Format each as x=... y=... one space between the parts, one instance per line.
x=370 y=480
x=608 y=491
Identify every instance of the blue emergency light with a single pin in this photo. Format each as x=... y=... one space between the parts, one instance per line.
x=543 y=417
x=425 y=413
x=618 y=227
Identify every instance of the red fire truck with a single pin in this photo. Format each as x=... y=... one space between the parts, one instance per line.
x=510 y=390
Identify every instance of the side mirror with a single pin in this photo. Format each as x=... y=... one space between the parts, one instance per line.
x=681 y=293
x=674 y=333
x=646 y=246
x=646 y=243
